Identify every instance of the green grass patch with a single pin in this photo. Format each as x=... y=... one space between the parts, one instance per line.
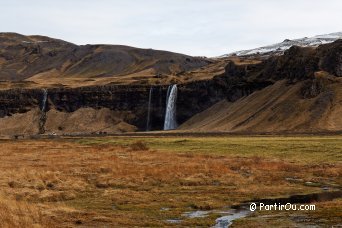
x=304 y=149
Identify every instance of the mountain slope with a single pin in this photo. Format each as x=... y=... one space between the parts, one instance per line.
x=42 y=60
x=277 y=108
x=303 y=94
x=279 y=48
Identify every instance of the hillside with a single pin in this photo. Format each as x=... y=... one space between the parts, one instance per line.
x=39 y=61
x=277 y=108
x=304 y=95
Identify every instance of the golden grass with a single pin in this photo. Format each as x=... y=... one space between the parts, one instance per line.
x=108 y=182
x=21 y=214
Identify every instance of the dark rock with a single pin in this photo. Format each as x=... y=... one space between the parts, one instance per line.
x=331 y=58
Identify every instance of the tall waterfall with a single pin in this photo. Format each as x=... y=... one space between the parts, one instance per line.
x=148 y=127
x=168 y=94
x=45 y=95
x=170 y=115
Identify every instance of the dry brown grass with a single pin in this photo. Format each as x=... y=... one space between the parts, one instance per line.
x=65 y=183
x=139 y=146
x=22 y=214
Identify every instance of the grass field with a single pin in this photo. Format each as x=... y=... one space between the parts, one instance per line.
x=146 y=181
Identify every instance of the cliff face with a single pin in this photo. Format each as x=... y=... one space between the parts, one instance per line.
x=192 y=98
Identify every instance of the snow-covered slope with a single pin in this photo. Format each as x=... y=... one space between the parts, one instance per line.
x=279 y=48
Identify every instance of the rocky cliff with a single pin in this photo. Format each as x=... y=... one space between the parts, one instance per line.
x=192 y=98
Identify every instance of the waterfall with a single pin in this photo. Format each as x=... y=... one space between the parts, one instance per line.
x=42 y=118
x=170 y=114
x=149 y=110
x=45 y=95
x=168 y=94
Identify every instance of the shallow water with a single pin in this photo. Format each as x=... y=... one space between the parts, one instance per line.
x=242 y=210
x=174 y=221
x=196 y=214
x=227 y=220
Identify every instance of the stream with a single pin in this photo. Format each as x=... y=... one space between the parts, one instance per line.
x=243 y=210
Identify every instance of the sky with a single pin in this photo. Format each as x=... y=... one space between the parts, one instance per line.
x=194 y=27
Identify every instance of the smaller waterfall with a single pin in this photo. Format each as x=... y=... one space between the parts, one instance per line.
x=148 y=127
x=170 y=114
x=45 y=95
x=42 y=118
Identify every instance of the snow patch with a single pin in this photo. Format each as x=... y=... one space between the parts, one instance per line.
x=279 y=48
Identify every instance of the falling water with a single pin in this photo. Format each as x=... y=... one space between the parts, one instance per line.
x=168 y=94
x=42 y=118
x=149 y=110
x=170 y=115
x=45 y=95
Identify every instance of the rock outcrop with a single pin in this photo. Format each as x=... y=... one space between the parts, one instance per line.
x=296 y=64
